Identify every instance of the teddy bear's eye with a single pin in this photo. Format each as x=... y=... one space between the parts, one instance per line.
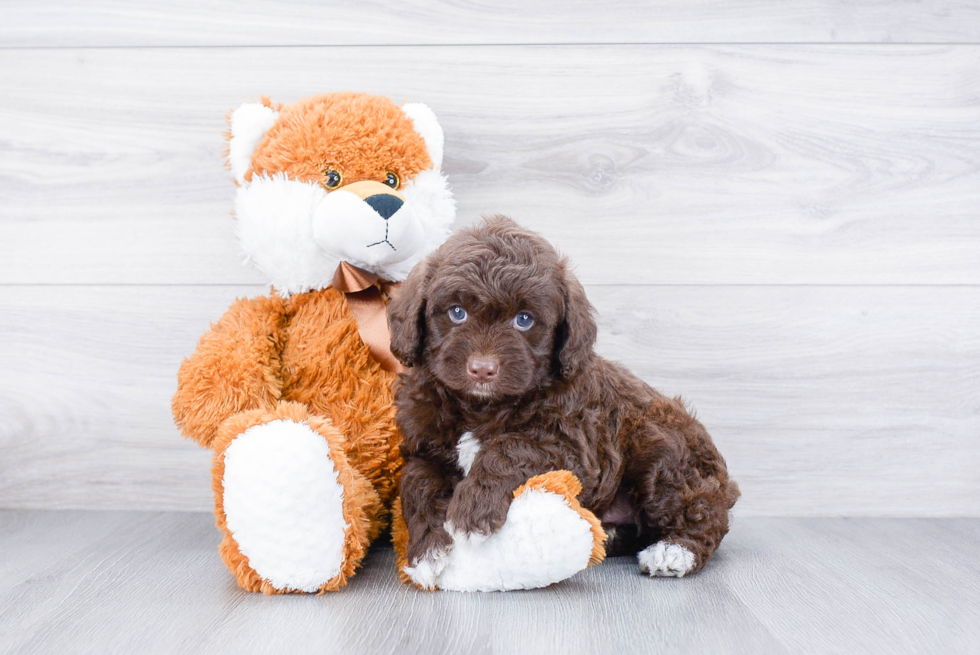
x=391 y=179
x=332 y=178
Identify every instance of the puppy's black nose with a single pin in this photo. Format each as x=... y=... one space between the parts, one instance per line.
x=482 y=369
x=385 y=204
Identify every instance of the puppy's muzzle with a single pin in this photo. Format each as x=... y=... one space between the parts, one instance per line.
x=482 y=369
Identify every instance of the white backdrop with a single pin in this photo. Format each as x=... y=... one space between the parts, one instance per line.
x=776 y=211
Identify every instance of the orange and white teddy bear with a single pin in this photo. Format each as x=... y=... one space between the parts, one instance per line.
x=339 y=196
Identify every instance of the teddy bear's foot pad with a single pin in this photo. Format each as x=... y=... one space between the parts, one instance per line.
x=543 y=541
x=284 y=504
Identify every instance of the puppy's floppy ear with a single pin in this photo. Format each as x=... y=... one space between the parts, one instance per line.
x=406 y=315
x=576 y=332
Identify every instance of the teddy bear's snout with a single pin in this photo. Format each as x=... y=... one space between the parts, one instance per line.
x=385 y=204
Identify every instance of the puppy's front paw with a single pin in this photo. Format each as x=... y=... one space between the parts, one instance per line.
x=426 y=571
x=666 y=560
x=473 y=514
x=433 y=550
x=460 y=536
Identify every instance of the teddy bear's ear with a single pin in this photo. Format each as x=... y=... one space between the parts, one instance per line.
x=428 y=127
x=249 y=123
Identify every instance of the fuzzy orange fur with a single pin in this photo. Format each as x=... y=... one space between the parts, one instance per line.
x=302 y=357
x=327 y=367
x=399 y=539
x=562 y=483
x=305 y=348
x=235 y=367
x=361 y=505
x=296 y=142
x=299 y=358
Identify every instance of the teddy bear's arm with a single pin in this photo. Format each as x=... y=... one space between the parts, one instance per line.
x=236 y=367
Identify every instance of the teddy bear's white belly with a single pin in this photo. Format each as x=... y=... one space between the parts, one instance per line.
x=284 y=504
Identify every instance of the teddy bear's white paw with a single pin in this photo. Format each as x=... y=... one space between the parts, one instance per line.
x=284 y=504
x=666 y=560
x=542 y=542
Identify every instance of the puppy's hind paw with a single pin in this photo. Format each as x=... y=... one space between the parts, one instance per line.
x=666 y=560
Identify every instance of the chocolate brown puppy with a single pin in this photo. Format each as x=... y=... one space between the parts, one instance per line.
x=503 y=382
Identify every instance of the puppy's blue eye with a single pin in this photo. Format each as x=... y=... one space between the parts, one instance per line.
x=523 y=321
x=457 y=314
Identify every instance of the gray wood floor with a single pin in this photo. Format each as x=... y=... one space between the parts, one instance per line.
x=126 y=582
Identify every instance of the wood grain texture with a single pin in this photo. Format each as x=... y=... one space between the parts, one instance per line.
x=886 y=576
x=659 y=165
x=153 y=582
x=800 y=147
x=57 y=23
x=824 y=400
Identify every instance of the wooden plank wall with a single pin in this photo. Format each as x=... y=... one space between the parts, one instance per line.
x=774 y=206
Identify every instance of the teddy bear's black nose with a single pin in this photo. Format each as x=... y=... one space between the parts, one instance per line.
x=385 y=204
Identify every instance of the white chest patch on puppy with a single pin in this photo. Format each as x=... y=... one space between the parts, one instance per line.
x=466 y=450
x=666 y=560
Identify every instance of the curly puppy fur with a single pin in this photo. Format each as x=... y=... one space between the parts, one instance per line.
x=537 y=399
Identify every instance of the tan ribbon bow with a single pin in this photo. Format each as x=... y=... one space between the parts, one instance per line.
x=366 y=299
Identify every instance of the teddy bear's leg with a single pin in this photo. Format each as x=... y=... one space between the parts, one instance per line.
x=296 y=516
x=547 y=537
